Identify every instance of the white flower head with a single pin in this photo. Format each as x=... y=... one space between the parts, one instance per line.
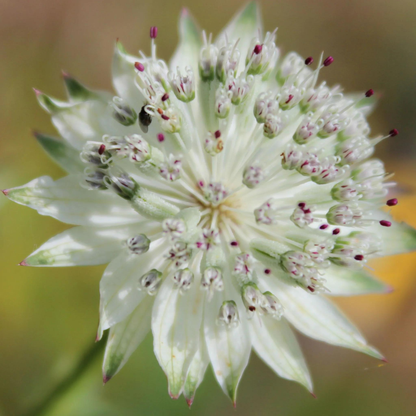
x=250 y=178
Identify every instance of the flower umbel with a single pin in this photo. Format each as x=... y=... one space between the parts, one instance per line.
x=230 y=194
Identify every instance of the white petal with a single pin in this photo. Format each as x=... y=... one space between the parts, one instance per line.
x=119 y=286
x=228 y=349
x=87 y=246
x=399 y=238
x=176 y=320
x=245 y=25
x=318 y=318
x=86 y=120
x=277 y=346
x=68 y=202
x=61 y=153
x=125 y=337
x=190 y=43
x=196 y=370
x=123 y=73
x=341 y=281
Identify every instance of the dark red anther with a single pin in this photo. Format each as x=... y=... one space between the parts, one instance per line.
x=392 y=202
x=393 y=132
x=251 y=308
x=323 y=226
x=267 y=271
x=336 y=231
x=369 y=93
x=359 y=257
x=328 y=61
x=165 y=117
x=309 y=60
x=385 y=223
x=301 y=205
x=257 y=49
x=161 y=137
x=217 y=134
x=165 y=96
x=101 y=150
x=201 y=184
x=139 y=66
x=153 y=32
x=311 y=289
x=234 y=243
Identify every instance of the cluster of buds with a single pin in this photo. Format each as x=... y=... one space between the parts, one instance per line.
x=170 y=169
x=321 y=169
x=262 y=56
x=253 y=175
x=180 y=253
x=208 y=59
x=244 y=268
x=302 y=215
x=319 y=252
x=173 y=228
x=183 y=85
x=227 y=61
x=208 y=239
x=262 y=303
x=266 y=213
x=213 y=143
x=214 y=192
x=183 y=279
x=212 y=281
x=355 y=249
x=303 y=270
x=346 y=215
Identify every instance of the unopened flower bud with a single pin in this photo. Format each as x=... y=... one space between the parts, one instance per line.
x=150 y=282
x=253 y=175
x=183 y=85
x=228 y=315
x=123 y=113
x=139 y=244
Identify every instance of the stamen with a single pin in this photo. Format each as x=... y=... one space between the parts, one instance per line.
x=392 y=202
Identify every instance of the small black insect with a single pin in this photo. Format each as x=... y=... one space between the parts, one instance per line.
x=144 y=119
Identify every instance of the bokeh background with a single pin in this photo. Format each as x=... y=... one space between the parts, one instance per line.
x=48 y=317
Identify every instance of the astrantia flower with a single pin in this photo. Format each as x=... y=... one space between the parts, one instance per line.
x=231 y=195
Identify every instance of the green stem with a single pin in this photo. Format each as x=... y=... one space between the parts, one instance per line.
x=69 y=380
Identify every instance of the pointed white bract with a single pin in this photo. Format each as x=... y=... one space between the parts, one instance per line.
x=231 y=194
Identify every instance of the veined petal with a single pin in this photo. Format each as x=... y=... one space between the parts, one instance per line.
x=228 y=349
x=68 y=202
x=84 y=121
x=277 y=346
x=176 y=321
x=341 y=281
x=78 y=92
x=196 y=370
x=61 y=153
x=190 y=43
x=245 y=25
x=318 y=318
x=119 y=286
x=87 y=246
x=397 y=239
x=125 y=337
x=124 y=75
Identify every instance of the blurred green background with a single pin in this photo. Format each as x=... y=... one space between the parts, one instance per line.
x=49 y=316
